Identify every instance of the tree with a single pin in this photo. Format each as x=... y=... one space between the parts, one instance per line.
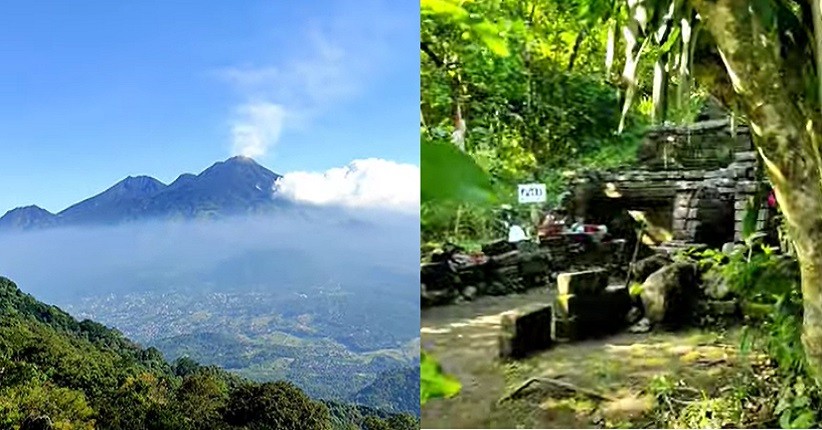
x=403 y=422
x=201 y=397
x=762 y=59
x=374 y=423
x=278 y=405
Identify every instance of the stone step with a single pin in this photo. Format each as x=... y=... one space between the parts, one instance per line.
x=745 y=156
x=584 y=283
x=525 y=330
x=672 y=247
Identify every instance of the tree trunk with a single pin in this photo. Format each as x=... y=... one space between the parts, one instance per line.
x=786 y=134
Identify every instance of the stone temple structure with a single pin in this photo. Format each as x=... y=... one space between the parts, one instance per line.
x=691 y=185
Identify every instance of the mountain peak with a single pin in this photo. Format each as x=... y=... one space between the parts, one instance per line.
x=134 y=187
x=30 y=209
x=121 y=196
x=26 y=217
x=141 y=182
x=237 y=162
x=240 y=159
x=239 y=165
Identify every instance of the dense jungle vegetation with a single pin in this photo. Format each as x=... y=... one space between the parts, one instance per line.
x=530 y=82
x=522 y=91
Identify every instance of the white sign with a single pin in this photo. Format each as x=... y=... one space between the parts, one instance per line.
x=532 y=193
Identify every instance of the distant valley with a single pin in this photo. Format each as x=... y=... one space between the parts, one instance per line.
x=218 y=267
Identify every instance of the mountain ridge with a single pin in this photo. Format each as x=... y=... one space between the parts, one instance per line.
x=233 y=186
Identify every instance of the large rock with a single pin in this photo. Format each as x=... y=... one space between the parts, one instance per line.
x=438 y=276
x=439 y=284
x=534 y=264
x=584 y=283
x=525 y=330
x=643 y=268
x=670 y=293
x=715 y=286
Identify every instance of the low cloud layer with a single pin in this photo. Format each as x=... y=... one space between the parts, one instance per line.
x=363 y=250
x=370 y=183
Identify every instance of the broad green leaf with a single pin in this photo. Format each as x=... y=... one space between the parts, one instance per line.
x=496 y=44
x=785 y=420
x=490 y=36
x=433 y=382
x=450 y=174
x=444 y=7
x=670 y=40
x=805 y=420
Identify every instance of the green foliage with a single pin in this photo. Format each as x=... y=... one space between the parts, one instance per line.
x=449 y=174
x=278 y=405
x=759 y=276
x=488 y=33
x=392 y=392
x=635 y=290
x=794 y=407
x=530 y=115
x=434 y=383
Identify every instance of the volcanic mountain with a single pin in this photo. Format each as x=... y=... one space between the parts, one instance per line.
x=234 y=186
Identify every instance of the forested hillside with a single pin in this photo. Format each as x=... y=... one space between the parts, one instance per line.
x=61 y=373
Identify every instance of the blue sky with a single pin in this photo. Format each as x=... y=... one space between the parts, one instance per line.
x=94 y=91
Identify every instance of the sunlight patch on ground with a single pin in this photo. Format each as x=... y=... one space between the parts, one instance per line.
x=484 y=321
x=628 y=407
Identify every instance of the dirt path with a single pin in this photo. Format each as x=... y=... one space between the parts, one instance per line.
x=464 y=339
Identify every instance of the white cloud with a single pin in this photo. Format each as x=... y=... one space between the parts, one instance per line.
x=369 y=183
x=256 y=127
x=340 y=56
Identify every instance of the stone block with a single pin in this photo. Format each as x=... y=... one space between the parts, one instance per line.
x=565 y=330
x=745 y=156
x=496 y=248
x=681 y=212
x=509 y=258
x=722 y=307
x=608 y=307
x=506 y=272
x=584 y=283
x=534 y=266
x=748 y=187
x=525 y=330
x=694 y=174
x=713 y=174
